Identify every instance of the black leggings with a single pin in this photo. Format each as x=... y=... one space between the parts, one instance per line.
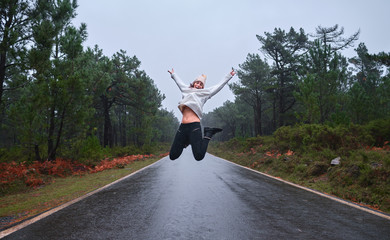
x=189 y=133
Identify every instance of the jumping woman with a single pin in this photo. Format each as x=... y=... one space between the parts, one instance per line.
x=194 y=97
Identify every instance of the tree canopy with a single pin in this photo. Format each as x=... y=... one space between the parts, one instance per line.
x=308 y=80
x=57 y=97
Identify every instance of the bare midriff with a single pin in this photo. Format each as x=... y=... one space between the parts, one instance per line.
x=189 y=116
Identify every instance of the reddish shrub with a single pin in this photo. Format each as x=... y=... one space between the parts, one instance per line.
x=34 y=174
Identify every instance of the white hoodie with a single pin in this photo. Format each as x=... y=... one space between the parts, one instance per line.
x=196 y=98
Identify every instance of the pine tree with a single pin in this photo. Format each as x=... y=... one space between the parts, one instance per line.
x=284 y=49
x=325 y=73
x=16 y=18
x=254 y=78
x=364 y=97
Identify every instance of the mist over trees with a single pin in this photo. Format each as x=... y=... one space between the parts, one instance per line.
x=305 y=79
x=57 y=98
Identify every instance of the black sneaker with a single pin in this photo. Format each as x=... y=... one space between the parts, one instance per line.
x=210 y=132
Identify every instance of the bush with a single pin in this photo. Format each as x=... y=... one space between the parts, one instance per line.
x=14 y=153
x=236 y=144
x=318 y=168
x=124 y=151
x=363 y=175
x=300 y=169
x=380 y=131
x=89 y=151
x=314 y=136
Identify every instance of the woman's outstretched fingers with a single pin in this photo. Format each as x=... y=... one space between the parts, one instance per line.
x=172 y=71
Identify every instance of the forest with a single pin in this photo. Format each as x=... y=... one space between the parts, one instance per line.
x=305 y=79
x=60 y=100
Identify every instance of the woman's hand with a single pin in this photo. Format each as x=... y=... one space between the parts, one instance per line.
x=231 y=73
x=171 y=72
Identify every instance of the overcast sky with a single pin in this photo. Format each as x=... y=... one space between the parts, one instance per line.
x=210 y=36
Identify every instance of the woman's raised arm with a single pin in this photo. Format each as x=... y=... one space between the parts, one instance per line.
x=178 y=81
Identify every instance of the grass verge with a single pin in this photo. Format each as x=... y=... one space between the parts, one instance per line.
x=15 y=208
x=363 y=175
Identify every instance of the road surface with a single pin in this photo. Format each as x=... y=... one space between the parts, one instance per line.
x=211 y=199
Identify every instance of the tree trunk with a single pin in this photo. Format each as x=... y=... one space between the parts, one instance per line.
x=50 y=142
x=2 y=75
x=123 y=130
x=5 y=44
x=37 y=156
x=274 y=114
x=257 y=118
x=54 y=150
x=281 y=102
x=107 y=135
x=258 y=124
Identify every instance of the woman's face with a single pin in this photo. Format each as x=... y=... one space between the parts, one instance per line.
x=198 y=85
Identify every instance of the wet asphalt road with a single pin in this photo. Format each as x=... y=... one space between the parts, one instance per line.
x=211 y=199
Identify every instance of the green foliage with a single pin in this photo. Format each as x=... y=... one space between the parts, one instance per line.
x=123 y=151
x=323 y=78
x=367 y=173
x=232 y=118
x=244 y=144
x=300 y=170
x=380 y=130
x=13 y=188
x=317 y=169
x=315 y=136
x=58 y=94
x=255 y=79
x=284 y=48
x=362 y=175
x=308 y=97
x=134 y=150
x=14 y=153
x=64 y=93
x=165 y=125
x=125 y=98
x=16 y=21
x=382 y=57
x=89 y=151
x=365 y=93
x=308 y=81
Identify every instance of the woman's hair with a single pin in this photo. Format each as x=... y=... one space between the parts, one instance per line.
x=192 y=84
x=201 y=78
